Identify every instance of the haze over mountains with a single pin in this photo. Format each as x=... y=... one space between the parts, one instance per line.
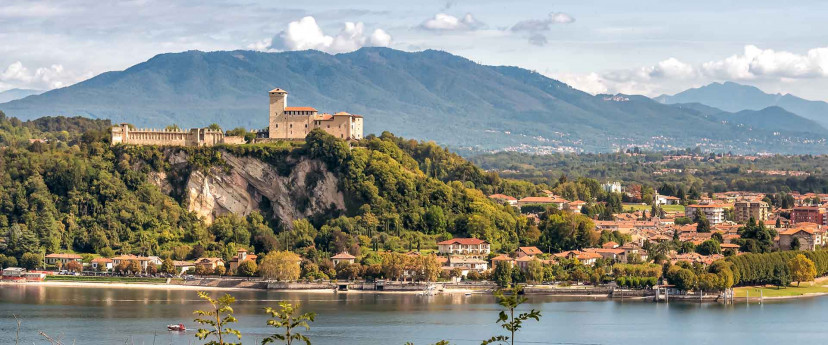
x=733 y=97
x=13 y=94
x=429 y=95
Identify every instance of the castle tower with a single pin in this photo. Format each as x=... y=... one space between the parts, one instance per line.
x=278 y=102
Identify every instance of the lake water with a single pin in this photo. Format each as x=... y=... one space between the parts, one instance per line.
x=133 y=316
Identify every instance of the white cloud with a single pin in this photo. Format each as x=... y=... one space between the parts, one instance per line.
x=757 y=63
x=306 y=34
x=673 y=75
x=447 y=22
x=54 y=76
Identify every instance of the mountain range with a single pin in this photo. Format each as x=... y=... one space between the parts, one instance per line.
x=13 y=94
x=428 y=95
x=734 y=97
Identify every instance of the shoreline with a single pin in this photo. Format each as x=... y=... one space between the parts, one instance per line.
x=183 y=287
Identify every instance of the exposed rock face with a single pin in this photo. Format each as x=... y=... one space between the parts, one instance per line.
x=249 y=184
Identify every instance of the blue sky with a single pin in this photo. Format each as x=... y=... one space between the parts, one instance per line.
x=638 y=47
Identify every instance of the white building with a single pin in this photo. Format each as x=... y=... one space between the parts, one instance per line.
x=464 y=246
x=612 y=187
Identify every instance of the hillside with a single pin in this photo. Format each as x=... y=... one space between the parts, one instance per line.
x=423 y=95
x=78 y=193
x=735 y=97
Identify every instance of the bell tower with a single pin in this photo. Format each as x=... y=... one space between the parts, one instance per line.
x=278 y=102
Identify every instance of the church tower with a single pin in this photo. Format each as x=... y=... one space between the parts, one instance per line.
x=278 y=102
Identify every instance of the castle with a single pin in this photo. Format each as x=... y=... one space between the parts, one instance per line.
x=285 y=123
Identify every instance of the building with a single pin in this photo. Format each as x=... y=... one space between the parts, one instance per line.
x=102 y=264
x=208 y=264
x=467 y=264
x=744 y=210
x=808 y=214
x=528 y=251
x=125 y=134
x=63 y=259
x=575 y=206
x=293 y=123
x=241 y=256
x=666 y=200
x=343 y=257
x=504 y=199
x=285 y=123
x=804 y=236
x=612 y=187
x=560 y=203
x=464 y=246
x=713 y=212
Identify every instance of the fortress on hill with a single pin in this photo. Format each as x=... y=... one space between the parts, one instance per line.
x=285 y=123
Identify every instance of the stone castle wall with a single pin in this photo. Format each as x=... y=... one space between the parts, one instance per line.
x=123 y=134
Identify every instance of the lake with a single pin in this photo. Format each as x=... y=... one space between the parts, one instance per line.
x=134 y=316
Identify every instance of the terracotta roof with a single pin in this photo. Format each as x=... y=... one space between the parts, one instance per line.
x=323 y=117
x=278 y=90
x=343 y=256
x=501 y=196
x=729 y=246
x=300 y=109
x=463 y=241
x=531 y=250
x=542 y=200
x=342 y=113
x=104 y=260
x=63 y=256
x=610 y=245
x=502 y=257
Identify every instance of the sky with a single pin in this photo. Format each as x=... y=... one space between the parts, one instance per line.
x=632 y=47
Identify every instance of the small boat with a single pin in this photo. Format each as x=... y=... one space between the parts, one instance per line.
x=176 y=328
x=468 y=293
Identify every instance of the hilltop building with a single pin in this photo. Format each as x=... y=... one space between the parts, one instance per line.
x=284 y=123
x=744 y=210
x=296 y=122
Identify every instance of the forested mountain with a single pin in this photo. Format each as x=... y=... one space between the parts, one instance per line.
x=733 y=97
x=74 y=192
x=768 y=118
x=429 y=95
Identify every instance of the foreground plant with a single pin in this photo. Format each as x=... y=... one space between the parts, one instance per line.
x=509 y=321
x=217 y=318
x=288 y=317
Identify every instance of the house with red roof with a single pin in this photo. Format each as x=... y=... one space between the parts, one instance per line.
x=464 y=246
x=343 y=257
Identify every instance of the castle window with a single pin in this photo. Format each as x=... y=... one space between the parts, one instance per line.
x=277 y=125
x=306 y=125
x=291 y=125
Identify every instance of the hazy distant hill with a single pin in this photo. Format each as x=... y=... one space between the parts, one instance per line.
x=735 y=97
x=13 y=94
x=424 y=95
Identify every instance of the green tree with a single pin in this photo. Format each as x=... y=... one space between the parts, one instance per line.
x=509 y=321
x=167 y=266
x=502 y=274
x=534 y=271
x=702 y=224
x=802 y=269
x=217 y=318
x=709 y=247
x=31 y=261
x=247 y=268
x=288 y=318
x=220 y=270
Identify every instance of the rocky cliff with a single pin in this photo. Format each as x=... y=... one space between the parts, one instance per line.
x=246 y=184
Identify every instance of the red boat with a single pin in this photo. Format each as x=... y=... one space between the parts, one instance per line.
x=176 y=328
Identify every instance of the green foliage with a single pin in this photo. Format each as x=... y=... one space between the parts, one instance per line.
x=247 y=268
x=509 y=321
x=217 y=319
x=768 y=268
x=289 y=319
x=502 y=274
x=31 y=261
